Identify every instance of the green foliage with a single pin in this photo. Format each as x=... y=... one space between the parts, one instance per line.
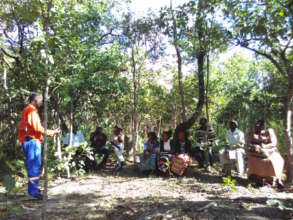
x=9 y=183
x=229 y=183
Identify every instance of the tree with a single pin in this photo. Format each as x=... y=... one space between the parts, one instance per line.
x=137 y=34
x=202 y=35
x=45 y=15
x=266 y=29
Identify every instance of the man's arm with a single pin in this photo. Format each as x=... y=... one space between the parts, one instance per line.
x=35 y=122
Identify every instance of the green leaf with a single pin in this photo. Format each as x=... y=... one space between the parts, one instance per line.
x=9 y=183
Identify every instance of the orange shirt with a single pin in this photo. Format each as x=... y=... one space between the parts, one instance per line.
x=30 y=124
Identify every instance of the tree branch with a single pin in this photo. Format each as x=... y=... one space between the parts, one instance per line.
x=268 y=56
x=8 y=54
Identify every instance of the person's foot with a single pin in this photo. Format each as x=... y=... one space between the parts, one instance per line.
x=280 y=184
x=119 y=167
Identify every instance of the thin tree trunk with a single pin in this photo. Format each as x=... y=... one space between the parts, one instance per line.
x=200 y=55
x=45 y=19
x=288 y=136
x=71 y=124
x=135 y=105
x=207 y=90
x=159 y=123
x=179 y=63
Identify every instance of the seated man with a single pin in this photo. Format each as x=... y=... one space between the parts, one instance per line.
x=203 y=151
x=182 y=149
x=234 y=152
x=117 y=139
x=264 y=160
x=77 y=137
x=77 y=141
x=98 y=143
x=151 y=149
x=165 y=156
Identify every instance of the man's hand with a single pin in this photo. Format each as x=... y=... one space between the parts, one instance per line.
x=52 y=133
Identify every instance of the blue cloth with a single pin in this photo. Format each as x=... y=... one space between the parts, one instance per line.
x=33 y=153
x=149 y=164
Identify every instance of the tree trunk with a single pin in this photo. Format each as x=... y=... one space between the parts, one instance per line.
x=288 y=137
x=58 y=120
x=207 y=89
x=45 y=20
x=159 y=123
x=179 y=63
x=201 y=91
x=135 y=105
x=200 y=52
x=71 y=123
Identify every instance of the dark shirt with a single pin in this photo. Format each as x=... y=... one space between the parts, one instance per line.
x=98 y=140
x=162 y=146
x=205 y=135
x=180 y=148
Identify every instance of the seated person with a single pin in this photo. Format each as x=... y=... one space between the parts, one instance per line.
x=181 y=149
x=234 y=151
x=98 y=142
x=203 y=151
x=117 y=140
x=149 y=157
x=77 y=141
x=77 y=137
x=264 y=159
x=165 y=157
x=166 y=142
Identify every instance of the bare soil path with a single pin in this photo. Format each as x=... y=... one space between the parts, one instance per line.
x=130 y=195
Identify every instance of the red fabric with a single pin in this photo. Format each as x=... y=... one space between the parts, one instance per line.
x=30 y=124
x=180 y=163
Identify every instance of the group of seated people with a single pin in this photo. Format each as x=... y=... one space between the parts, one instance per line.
x=261 y=159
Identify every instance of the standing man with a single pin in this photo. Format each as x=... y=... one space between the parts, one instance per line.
x=234 y=152
x=77 y=137
x=30 y=134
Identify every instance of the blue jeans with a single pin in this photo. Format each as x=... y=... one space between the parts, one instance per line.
x=33 y=153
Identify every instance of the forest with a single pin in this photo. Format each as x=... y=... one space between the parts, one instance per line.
x=98 y=63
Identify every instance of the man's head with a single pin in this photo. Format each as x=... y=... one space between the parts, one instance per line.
x=117 y=130
x=36 y=99
x=233 y=125
x=260 y=125
x=181 y=136
x=166 y=135
x=203 y=122
x=99 y=129
x=152 y=136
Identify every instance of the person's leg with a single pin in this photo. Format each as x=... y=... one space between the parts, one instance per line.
x=199 y=156
x=106 y=153
x=224 y=161
x=240 y=161
x=211 y=157
x=119 y=155
x=206 y=155
x=33 y=163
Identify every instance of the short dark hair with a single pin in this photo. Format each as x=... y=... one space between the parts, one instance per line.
x=34 y=95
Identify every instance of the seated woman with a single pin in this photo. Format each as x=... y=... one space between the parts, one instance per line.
x=182 y=148
x=165 y=156
x=151 y=149
x=264 y=159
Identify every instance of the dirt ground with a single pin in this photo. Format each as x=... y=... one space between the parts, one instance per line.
x=131 y=195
